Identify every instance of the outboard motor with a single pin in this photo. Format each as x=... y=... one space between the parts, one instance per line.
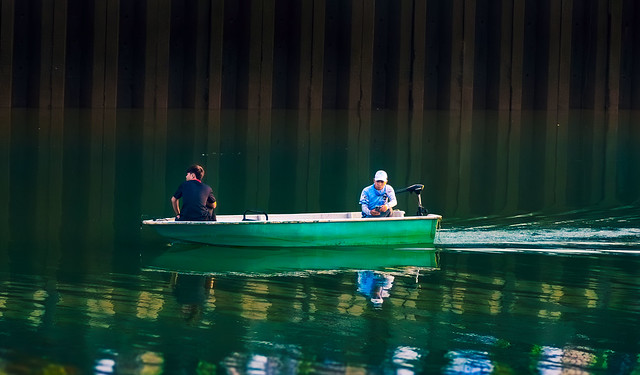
x=417 y=189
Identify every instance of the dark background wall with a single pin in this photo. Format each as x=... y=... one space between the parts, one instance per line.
x=314 y=54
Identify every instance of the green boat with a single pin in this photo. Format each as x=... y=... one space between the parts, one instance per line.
x=302 y=230
x=259 y=229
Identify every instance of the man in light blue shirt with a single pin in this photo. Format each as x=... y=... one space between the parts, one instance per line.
x=377 y=200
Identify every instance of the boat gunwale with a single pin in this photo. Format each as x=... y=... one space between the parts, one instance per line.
x=168 y=221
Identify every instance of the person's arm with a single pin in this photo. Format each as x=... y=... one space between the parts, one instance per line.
x=365 y=209
x=211 y=202
x=392 y=197
x=175 y=206
x=364 y=201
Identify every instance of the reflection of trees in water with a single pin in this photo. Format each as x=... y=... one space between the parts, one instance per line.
x=290 y=359
x=490 y=163
x=499 y=164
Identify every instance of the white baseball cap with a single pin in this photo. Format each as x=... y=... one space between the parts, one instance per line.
x=380 y=176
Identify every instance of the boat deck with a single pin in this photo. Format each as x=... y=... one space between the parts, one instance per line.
x=300 y=217
x=304 y=217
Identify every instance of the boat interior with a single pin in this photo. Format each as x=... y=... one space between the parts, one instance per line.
x=253 y=216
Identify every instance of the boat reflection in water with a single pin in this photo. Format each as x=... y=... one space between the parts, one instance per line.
x=214 y=260
x=200 y=278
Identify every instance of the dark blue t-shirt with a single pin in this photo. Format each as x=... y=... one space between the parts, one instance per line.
x=195 y=196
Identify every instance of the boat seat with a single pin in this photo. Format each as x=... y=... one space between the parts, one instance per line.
x=357 y=215
x=397 y=213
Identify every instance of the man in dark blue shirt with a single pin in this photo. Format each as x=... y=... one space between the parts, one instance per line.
x=198 y=202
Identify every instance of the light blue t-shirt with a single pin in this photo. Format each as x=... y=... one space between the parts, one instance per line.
x=372 y=198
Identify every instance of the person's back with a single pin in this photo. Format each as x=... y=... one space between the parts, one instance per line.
x=198 y=201
x=194 y=196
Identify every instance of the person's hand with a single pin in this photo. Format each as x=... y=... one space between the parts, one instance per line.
x=383 y=208
x=375 y=212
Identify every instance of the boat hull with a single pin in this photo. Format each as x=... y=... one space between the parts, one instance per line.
x=302 y=230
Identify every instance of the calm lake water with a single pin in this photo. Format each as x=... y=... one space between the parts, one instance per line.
x=536 y=269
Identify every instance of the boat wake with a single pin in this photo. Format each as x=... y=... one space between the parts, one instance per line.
x=576 y=232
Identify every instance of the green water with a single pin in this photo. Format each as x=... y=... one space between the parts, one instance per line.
x=536 y=269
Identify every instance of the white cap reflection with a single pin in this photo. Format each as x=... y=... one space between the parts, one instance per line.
x=375 y=285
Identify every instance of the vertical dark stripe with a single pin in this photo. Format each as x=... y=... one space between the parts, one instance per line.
x=355 y=63
x=418 y=59
x=215 y=54
x=181 y=58
x=255 y=54
x=381 y=64
x=366 y=62
x=403 y=73
x=202 y=35
x=613 y=62
x=46 y=51
x=517 y=54
x=331 y=54
x=505 y=62
x=468 y=54
x=457 y=54
x=158 y=25
x=7 y=9
x=267 y=54
x=532 y=46
x=132 y=54
x=99 y=54
x=305 y=43
x=151 y=54
x=556 y=32
x=436 y=72
x=163 y=50
x=53 y=53
x=111 y=56
x=564 y=85
x=600 y=70
x=58 y=58
x=317 y=55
